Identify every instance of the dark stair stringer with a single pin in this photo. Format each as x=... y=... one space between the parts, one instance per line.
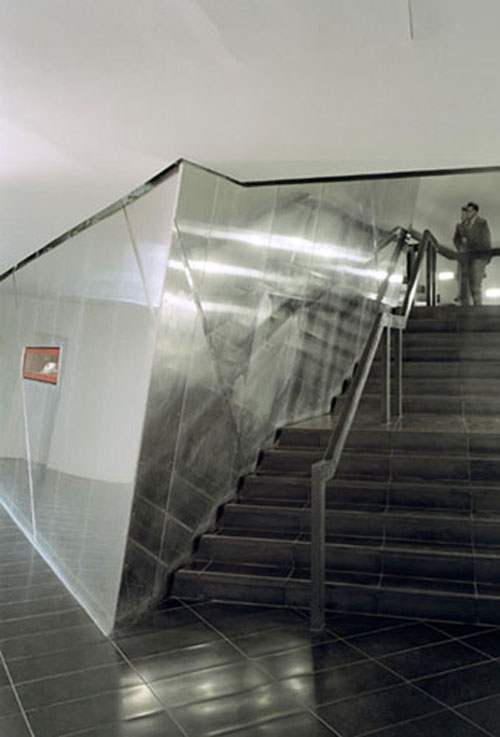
x=413 y=514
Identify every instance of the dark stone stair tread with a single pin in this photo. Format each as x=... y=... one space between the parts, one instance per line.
x=283 y=535
x=249 y=569
x=366 y=582
x=399 y=512
x=345 y=544
x=351 y=542
x=465 y=397
x=376 y=484
x=346 y=506
x=373 y=453
x=389 y=581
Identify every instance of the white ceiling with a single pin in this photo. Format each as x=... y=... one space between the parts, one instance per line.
x=96 y=96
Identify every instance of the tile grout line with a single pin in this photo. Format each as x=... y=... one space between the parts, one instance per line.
x=303 y=707
x=402 y=723
x=16 y=695
x=76 y=606
x=411 y=684
x=380 y=730
x=146 y=684
x=369 y=658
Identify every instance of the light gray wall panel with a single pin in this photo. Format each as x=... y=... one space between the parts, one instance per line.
x=98 y=297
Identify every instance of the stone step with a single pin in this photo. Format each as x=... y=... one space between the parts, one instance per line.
x=392 y=558
x=446 y=370
x=455 y=312
x=420 y=526
x=451 y=387
x=350 y=494
x=440 y=352
x=381 y=465
x=434 y=404
x=399 y=596
x=489 y=323
x=401 y=440
x=477 y=340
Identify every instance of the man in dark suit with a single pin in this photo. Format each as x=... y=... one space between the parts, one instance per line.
x=475 y=244
x=460 y=241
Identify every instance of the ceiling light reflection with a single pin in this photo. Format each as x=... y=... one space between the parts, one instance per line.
x=293 y=244
x=213 y=267
x=188 y=304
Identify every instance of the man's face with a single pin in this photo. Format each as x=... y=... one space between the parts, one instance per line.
x=471 y=212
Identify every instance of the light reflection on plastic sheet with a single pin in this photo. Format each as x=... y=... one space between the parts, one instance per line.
x=68 y=453
x=268 y=298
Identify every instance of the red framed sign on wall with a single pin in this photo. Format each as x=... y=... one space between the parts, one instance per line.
x=42 y=363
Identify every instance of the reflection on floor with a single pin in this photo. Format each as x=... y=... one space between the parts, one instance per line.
x=231 y=669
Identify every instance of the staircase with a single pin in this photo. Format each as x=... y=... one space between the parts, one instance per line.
x=413 y=520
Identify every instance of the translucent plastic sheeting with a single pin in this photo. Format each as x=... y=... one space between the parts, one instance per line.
x=69 y=452
x=268 y=298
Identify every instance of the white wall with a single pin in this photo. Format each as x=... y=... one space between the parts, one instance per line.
x=69 y=452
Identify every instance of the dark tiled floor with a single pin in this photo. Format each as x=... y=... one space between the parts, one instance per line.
x=247 y=671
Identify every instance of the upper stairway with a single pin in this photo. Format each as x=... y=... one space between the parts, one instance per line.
x=413 y=514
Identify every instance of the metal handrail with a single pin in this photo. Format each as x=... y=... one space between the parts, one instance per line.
x=325 y=469
x=389 y=238
x=452 y=255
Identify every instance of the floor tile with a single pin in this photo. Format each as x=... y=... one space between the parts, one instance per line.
x=431 y=659
x=280 y=639
x=305 y=660
x=70 y=686
x=47 y=642
x=151 y=725
x=374 y=711
x=465 y=684
x=436 y=725
x=347 y=625
x=340 y=683
x=236 y=619
x=14 y=726
x=211 y=683
x=297 y=725
x=32 y=592
x=488 y=642
x=4 y=679
x=189 y=659
x=65 y=661
x=34 y=568
x=43 y=623
x=485 y=713
x=149 y=643
x=61 y=719
x=164 y=620
x=15 y=579
x=456 y=629
x=395 y=640
x=50 y=604
x=235 y=712
x=8 y=702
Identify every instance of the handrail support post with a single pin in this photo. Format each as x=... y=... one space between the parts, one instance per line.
x=434 y=275
x=318 y=538
x=430 y=276
x=398 y=370
x=386 y=374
